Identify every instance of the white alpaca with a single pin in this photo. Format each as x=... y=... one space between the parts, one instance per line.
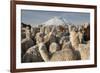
x=76 y=53
x=63 y=55
x=84 y=50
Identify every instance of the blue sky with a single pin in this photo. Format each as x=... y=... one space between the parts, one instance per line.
x=37 y=17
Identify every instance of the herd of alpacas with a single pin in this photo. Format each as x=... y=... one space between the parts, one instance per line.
x=55 y=43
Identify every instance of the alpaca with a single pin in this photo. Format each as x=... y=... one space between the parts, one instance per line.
x=81 y=34
x=27 y=42
x=47 y=29
x=23 y=34
x=33 y=32
x=84 y=50
x=74 y=38
x=45 y=38
x=51 y=37
x=87 y=32
x=32 y=55
x=62 y=55
x=68 y=45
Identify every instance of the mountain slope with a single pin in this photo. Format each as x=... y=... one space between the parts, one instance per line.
x=56 y=21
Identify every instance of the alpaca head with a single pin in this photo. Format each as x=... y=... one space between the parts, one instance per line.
x=64 y=39
x=39 y=37
x=47 y=29
x=42 y=29
x=28 y=33
x=67 y=45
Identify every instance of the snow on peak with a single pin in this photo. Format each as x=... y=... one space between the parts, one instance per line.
x=56 y=21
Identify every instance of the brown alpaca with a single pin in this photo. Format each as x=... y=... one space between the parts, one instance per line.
x=27 y=42
x=32 y=55
x=87 y=31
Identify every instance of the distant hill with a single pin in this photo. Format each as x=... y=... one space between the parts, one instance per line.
x=56 y=21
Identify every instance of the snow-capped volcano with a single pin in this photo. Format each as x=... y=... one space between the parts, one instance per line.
x=56 y=21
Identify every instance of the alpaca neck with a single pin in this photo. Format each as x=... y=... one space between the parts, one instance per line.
x=28 y=34
x=44 y=53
